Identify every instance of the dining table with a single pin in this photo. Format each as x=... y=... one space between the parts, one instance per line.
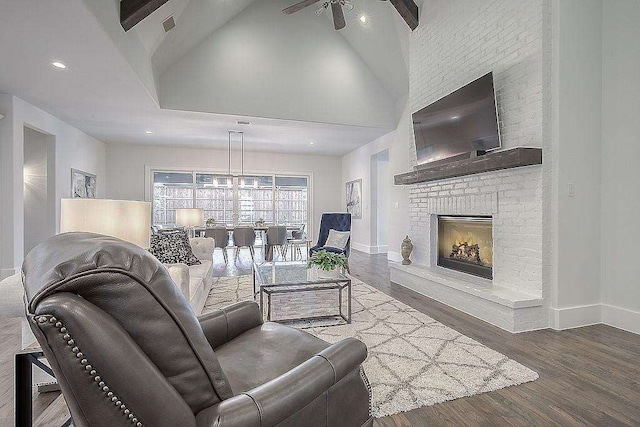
x=267 y=250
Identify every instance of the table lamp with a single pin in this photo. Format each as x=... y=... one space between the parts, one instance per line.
x=189 y=218
x=124 y=219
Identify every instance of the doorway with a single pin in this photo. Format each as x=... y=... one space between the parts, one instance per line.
x=380 y=192
x=39 y=188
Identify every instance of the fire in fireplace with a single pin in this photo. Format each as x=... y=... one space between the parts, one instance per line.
x=466 y=244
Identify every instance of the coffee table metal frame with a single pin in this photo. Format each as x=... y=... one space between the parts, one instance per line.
x=340 y=283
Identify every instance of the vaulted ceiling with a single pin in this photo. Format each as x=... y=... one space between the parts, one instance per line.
x=293 y=77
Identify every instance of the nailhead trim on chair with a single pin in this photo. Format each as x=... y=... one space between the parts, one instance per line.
x=367 y=384
x=88 y=368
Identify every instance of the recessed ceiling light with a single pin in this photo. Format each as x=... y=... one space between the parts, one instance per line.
x=59 y=65
x=312 y=143
x=148 y=132
x=363 y=19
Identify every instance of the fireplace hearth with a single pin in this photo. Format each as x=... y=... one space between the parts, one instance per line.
x=465 y=243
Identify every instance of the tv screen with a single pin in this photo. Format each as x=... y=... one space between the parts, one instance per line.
x=462 y=122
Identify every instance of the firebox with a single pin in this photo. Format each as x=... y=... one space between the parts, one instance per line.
x=465 y=243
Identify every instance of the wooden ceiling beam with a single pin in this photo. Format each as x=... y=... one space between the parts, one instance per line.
x=408 y=9
x=134 y=11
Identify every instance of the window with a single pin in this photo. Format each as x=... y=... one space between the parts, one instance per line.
x=171 y=191
x=277 y=199
x=291 y=200
x=255 y=199
x=215 y=196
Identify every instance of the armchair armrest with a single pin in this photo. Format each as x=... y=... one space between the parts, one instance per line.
x=276 y=400
x=180 y=275
x=223 y=325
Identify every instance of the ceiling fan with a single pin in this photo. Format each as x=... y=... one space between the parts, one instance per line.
x=336 y=9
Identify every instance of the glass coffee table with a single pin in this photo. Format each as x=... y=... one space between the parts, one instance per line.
x=289 y=279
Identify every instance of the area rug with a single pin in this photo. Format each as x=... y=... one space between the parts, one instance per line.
x=413 y=360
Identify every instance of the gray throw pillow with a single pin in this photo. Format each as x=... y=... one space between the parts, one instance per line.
x=173 y=248
x=337 y=239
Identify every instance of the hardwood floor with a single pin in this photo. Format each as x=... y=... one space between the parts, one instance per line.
x=588 y=376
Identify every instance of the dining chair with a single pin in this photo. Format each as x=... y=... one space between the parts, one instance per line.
x=244 y=237
x=277 y=238
x=221 y=238
x=297 y=239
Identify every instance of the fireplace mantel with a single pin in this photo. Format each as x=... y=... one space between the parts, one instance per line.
x=506 y=159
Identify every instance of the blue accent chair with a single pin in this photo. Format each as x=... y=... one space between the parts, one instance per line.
x=338 y=222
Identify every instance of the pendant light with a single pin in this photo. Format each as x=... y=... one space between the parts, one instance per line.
x=229 y=177
x=242 y=179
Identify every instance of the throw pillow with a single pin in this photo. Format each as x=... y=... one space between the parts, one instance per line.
x=337 y=239
x=173 y=248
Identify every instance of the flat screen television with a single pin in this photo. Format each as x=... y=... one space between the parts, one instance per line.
x=463 y=122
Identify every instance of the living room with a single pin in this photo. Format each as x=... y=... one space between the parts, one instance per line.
x=338 y=108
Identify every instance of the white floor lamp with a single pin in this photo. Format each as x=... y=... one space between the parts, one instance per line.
x=124 y=219
x=190 y=218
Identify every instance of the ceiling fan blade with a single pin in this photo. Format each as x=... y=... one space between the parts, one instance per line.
x=338 y=16
x=298 y=6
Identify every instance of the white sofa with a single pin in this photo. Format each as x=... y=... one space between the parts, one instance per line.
x=195 y=281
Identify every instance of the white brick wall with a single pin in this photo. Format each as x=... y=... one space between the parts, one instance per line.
x=457 y=42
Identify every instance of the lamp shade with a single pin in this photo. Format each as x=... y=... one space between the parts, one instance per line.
x=189 y=217
x=124 y=219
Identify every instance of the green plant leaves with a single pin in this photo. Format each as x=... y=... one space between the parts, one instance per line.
x=327 y=261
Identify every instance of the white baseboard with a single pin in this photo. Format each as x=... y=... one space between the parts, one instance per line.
x=371 y=250
x=360 y=247
x=394 y=256
x=575 y=317
x=621 y=318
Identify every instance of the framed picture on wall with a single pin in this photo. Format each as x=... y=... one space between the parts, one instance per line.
x=354 y=198
x=83 y=184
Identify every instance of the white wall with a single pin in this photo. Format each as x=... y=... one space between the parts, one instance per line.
x=266 y=64
x=357 y=165
x=620 y=172
x=383 y=178
x=73 y=149
x=577 y=112
x=128 y=43
x=127 y=179
x=39 y=215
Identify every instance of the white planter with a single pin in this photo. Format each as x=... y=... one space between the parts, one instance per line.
x=331 y=274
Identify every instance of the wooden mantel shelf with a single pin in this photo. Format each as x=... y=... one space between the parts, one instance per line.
x=507 y=159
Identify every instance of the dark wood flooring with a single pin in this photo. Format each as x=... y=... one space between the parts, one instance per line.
x=588 y=376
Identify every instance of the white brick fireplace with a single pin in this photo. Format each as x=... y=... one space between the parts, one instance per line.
x=513 y=300
x=456 y=43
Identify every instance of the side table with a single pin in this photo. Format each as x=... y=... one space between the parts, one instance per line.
x=24 y=361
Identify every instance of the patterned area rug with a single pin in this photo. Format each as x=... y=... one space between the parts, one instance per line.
x=413 y=360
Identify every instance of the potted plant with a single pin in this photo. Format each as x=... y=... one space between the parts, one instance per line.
x=327 y=263
x=211 y=222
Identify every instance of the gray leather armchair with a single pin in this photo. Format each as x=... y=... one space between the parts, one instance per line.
x=127 y=349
